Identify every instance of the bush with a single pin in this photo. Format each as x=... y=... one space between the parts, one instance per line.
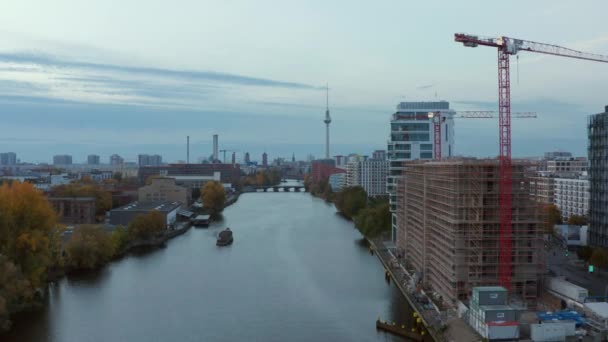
x=146 y=225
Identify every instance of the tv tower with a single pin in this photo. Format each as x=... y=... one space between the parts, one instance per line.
x=327 y=122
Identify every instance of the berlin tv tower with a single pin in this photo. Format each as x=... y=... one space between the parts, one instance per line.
x=327 y=122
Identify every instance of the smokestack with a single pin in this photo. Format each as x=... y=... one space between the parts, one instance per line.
x=215 y=150
x=188 y=149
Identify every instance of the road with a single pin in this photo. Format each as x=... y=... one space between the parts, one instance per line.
x=575 y=271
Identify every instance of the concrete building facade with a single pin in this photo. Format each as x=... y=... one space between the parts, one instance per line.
x=62 y=159
x=412 y=138
x=370 y=174
x=149 y=160
x=571 y=196
x=8 y=159
x=116 y=160
x=74 y=210
x=597 y=130
x=164 y=189
x=337 y=181
x=228 y=173
x=93 y=159
x=542 y=188
x=449 y=227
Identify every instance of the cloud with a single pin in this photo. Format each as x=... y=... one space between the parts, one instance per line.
x=45 y=60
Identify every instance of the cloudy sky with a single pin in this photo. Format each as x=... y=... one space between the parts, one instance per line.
x=134 y=76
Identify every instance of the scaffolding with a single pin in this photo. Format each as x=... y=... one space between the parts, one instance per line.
x=449 y=215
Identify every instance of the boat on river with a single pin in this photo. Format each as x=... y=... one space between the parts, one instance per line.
x=224 y=238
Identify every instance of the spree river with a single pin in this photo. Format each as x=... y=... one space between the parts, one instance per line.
x=296 y=272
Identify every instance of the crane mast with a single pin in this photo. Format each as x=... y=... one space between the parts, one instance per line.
x=509 y=46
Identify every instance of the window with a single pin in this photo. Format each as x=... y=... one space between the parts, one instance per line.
x=426 y=155
x=426 y=147
x=410 y=126
x=410 y=137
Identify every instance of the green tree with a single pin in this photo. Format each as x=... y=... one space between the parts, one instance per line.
x=552 y=217
x=350 y=201
x=599 y=258
x=120 y=238
x=577 y=220
x=374 y=219
x=214 y=197
x=89 y=247
x=584 y=253
x=145 y=226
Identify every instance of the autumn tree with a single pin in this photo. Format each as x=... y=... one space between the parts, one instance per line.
x=15 y=291
x=89 y=247
x=147 y=225
x=552 y=217
x=27 y=230
x=120 y=238
x=577 y=220
x=214 y=197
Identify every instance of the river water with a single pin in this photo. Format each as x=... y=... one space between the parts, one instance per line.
x=297 y=271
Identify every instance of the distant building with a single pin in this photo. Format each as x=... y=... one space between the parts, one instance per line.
x=125 y=214
x=542 y=188
x=228 y=173
x=597 y=128
x=557 y=155
x=98 y=175
x=572 y=166
x=116 y=160
x=264 y=159
x=340 y=161
x=74 y=210
x=571 y=235
x=8 y=159
x=149 y=160
x=370 y=174
x=164 y=189
x=247 y=158
x=322 y=169
x=571 y=196
x=93 y=159
x=337 y=181
x=412 y=137
x=379 y=155
x=62 y=159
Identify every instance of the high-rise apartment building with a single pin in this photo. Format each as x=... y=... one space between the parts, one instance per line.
x=93 y=159
x=149 y=160
x=412 y=138
x=8 y=159
x=116 y=160
x=62 y=159
x=597 y=129
x=571 y=196
x=247 y=158
x=264 y=159
x=450 y=223
x=379 y=154
x=370 y=174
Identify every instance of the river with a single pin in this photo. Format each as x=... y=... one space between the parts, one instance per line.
x=297 y=271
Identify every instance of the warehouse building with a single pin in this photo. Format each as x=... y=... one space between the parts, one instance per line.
x=125 y=214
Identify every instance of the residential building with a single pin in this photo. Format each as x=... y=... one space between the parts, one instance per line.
x=449 y=218
x=149 y=160
x=116 y=160
x=93 y=159
x=379 y=154
x=74 y=210
x=567 y=166
x=340 y=161
x=370 y=174
x=557 y=155
x=125 y=214
x=164 y=189
x=542 y=188
x=228 y=173
x=98 y=175
x=62 y=159
x=8 y=159
x=412 y=138
x=571 y=196
x=337 y=181
x=597 y=129
x=264 y=159
x=247 y=158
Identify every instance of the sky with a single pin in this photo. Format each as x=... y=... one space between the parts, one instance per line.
x=131 y=77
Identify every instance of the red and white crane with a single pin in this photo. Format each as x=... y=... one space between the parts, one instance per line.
x=438 y=120
x=509 y=46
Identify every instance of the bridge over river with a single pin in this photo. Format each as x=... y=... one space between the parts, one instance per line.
x=275 y=188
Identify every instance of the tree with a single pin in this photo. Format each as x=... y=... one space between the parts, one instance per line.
x=584 y=253
x=89 y=247
x=552 y=217
x=27 y=230
x=83 y=188
x=374 y=219
x=577 y=220
x=214 y=197
x=350 y=200
x=147 y=225
x=120 y=238
x=15 y=291
x=117 y=176
x=599 y=258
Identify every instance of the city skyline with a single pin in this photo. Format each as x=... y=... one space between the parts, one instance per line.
x=140 y=95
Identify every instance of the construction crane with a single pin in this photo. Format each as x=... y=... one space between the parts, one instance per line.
x=470 y=114
x=509 y=46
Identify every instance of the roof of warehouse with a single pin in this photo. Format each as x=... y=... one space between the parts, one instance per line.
x=164 y=206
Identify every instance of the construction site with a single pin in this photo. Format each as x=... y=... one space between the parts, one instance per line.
x=449 y=228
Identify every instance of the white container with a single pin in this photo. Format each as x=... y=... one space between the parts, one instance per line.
x=567 y=289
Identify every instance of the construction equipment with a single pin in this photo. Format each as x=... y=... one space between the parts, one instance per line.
x=471 y=114
x=509 y=46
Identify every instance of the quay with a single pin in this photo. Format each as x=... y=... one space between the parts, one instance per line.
x=398 y=330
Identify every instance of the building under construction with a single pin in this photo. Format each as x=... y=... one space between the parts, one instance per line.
x=449 y=227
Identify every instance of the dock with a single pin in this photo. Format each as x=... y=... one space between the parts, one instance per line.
x=398 y=330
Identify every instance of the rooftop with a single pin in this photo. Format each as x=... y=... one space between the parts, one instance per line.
x=600 y=308
x=164 y=206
